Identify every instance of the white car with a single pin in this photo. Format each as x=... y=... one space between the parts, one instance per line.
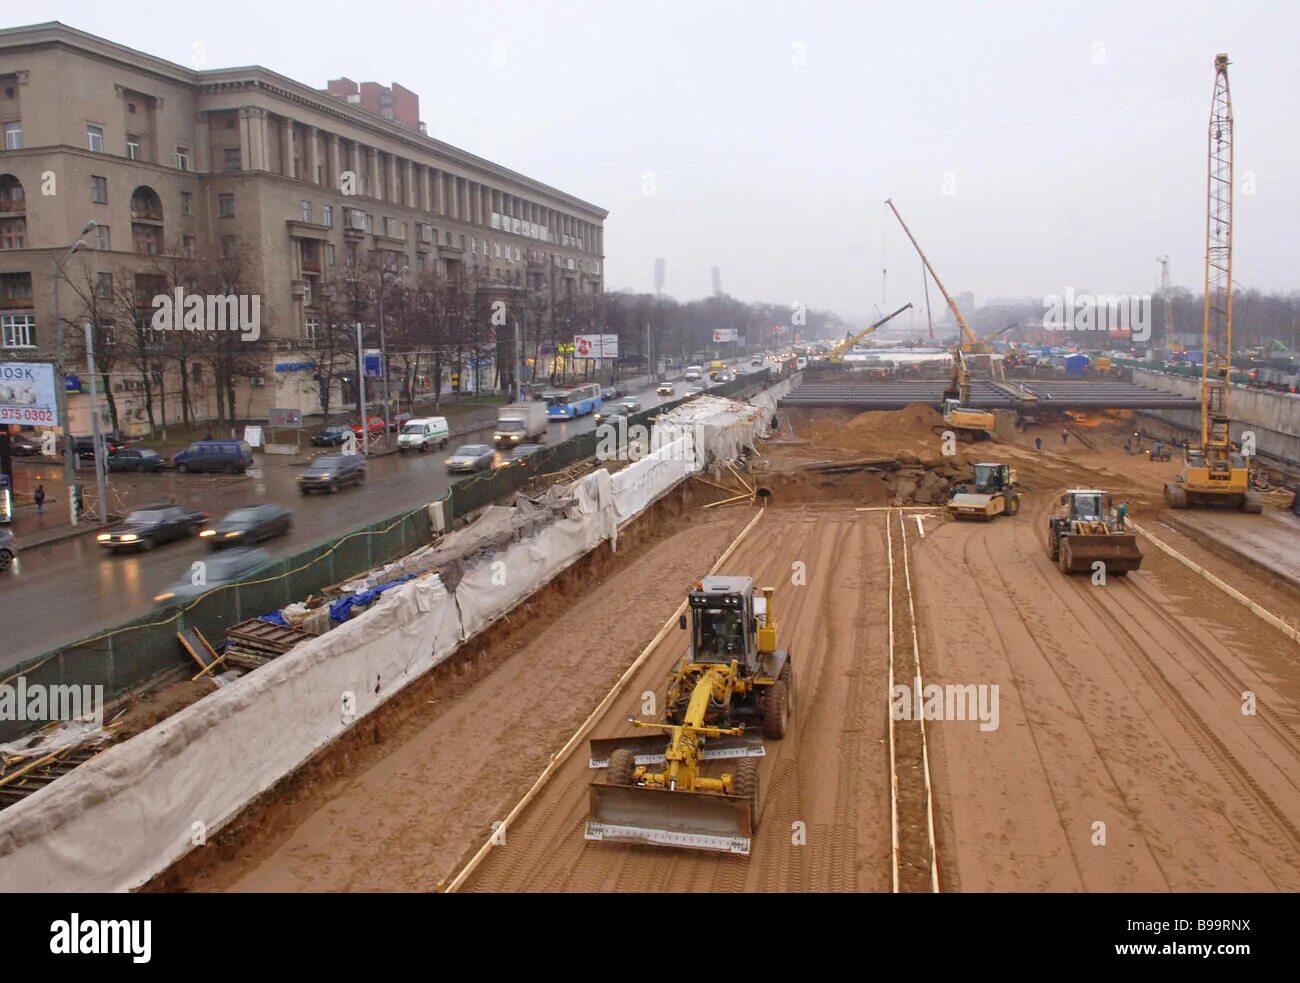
x=694 y=373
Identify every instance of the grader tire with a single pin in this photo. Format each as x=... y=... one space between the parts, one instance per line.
x=746 y=781
x=776 y=710
x=621 y=765
x=1175 y=495
x=787 y=676
x=1012 y=504
x=1252 y=503
x=1063 y=558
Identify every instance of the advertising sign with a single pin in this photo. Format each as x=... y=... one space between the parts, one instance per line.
x=285 y=418
x=27 y=394
x=595 y=346
x=723 y=334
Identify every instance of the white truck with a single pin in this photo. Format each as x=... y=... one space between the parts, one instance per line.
x=520 y=423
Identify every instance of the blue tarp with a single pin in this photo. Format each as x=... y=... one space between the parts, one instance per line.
x=341 y=609
x=275 y=618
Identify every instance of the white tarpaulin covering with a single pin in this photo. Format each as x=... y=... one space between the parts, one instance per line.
x=120 y=819
x=643 y=481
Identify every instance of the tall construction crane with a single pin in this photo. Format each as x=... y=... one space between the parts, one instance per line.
x=1166 y=291
x=1216 y=473
x=836 y=354
x=969 y=424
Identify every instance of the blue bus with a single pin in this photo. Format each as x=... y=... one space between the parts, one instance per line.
x=571 y=402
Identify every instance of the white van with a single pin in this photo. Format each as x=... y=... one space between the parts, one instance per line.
x=694 y=373
x=423 y=433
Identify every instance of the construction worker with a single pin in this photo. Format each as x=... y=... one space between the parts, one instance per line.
x=1065 y=436
x=1121 y=514
x=1038 y=443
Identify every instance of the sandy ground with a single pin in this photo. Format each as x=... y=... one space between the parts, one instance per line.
x=1122 y=759
x=404 y=822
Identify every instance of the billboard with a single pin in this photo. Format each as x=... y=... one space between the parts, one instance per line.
x=595 y=346
x=723 y=334
x=27 y=394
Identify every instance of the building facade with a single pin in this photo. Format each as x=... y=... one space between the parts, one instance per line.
x=172 y=162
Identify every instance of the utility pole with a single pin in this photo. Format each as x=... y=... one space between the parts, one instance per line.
x=361 y=393
x=520 y=334
x=101 y=484
x=61 y=393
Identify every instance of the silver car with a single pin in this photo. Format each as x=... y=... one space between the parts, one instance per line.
x=471 y=457
x=8 y=551
x=221 y=568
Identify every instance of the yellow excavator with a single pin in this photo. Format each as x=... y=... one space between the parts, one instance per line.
x=664 y=789
x=836 y=355
x=1217 y=473
x=967 y=423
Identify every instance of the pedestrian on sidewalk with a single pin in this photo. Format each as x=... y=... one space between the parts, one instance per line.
x=39 y=497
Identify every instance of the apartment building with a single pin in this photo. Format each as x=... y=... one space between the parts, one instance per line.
x=173 y=161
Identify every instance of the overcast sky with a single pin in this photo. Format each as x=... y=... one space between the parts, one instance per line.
x=763 y=137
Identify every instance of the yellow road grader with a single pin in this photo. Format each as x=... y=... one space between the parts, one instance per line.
x=664 y=788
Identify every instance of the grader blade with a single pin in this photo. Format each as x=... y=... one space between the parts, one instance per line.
x=1119 y=551
x=671 y=818
x=649 y=750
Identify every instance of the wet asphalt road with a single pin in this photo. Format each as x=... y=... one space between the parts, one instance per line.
x=68 y=590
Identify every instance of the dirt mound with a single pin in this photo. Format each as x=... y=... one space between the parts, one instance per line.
x=913 y=420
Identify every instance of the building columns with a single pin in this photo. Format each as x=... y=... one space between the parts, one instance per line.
x=312 y=155
x=286 y=147
x=333 y=177
x=202 y=143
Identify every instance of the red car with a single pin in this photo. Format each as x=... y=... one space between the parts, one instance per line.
x=374 y=424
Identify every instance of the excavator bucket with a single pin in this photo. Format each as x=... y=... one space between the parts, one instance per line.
x=1119 y=551
x=672 y=818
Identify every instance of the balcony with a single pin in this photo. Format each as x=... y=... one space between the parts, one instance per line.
x=13 y=206
x=15 y=303
x=311 y=265
x=145 y=214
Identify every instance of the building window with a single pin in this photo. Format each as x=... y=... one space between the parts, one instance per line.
x=103 y=238
x=329 y=254
x=419 y=262
x=18 y=330
x=226 y=205
x=227 y=246
x=473 y=245
x=182 y=158
x=13 y=233
x=306 y=210
x=98 y=190
x=327 y=215
x=496 y=246
x=516 y=254
x=306 y=292
x=104 y=286
x=310 y=328
x=14 y=135
x=95 y=139
x=148 y=239
x=187 y=203
x=351 y=255
x=460 y=240
x=232 y=158
x=187 y=246
x=133 y=146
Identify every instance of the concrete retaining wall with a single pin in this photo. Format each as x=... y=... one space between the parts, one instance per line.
x=1273 y=417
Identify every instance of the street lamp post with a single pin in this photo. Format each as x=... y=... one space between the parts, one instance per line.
x=61 y=395
x=384 y=284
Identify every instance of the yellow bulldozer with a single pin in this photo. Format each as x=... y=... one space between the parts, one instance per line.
x=665 y=789
x=993 y=490
x=1084 y=529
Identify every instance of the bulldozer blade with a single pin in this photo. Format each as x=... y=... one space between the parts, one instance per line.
x=649 y=750
x=1119 y=551
x=663 y=817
